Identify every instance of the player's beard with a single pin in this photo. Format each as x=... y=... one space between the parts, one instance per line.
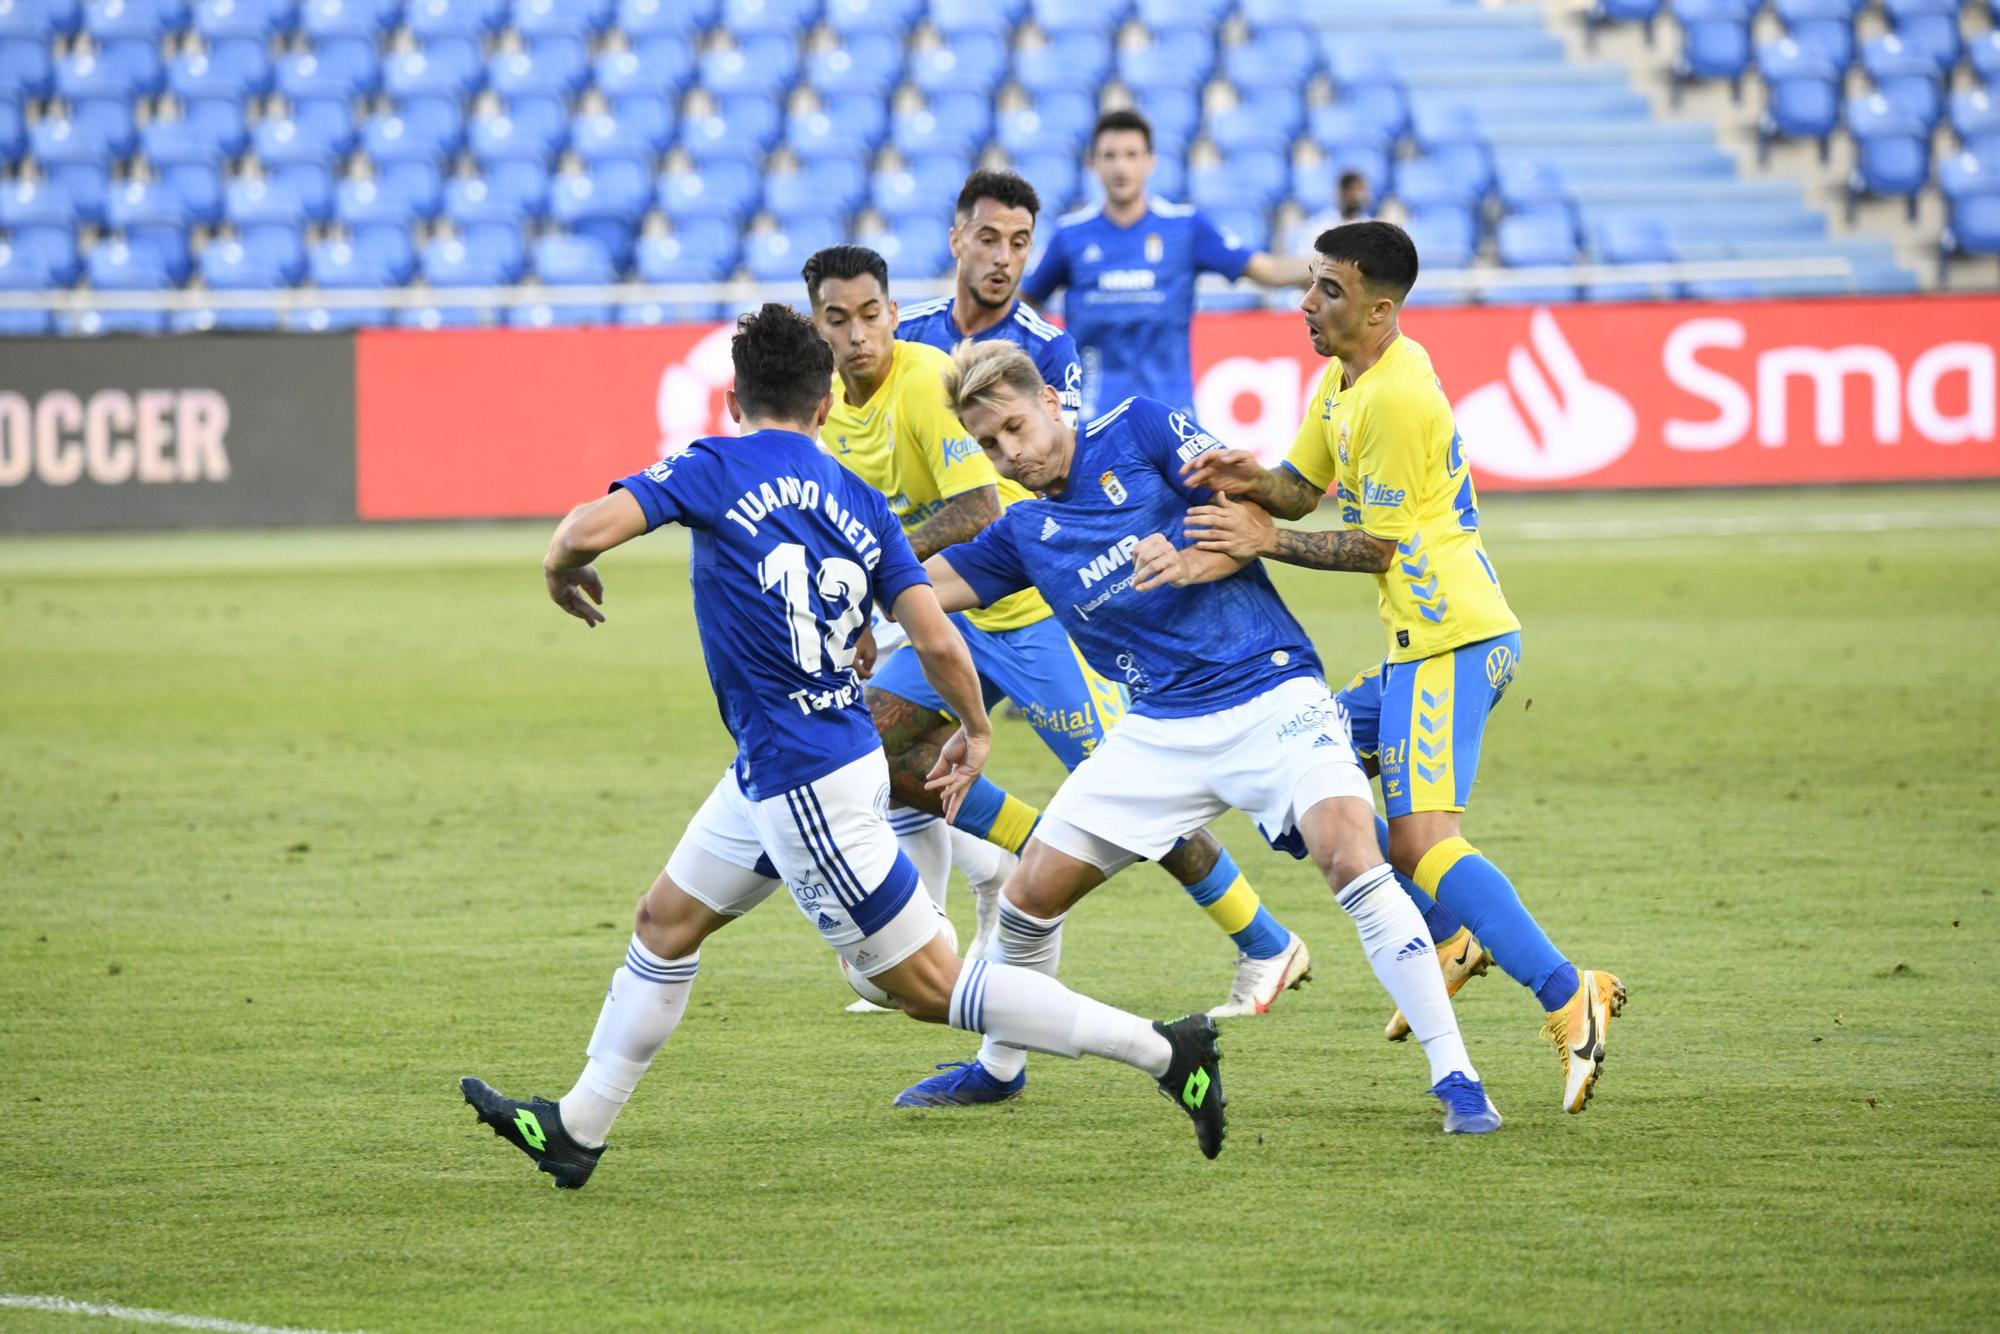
x=984 y=302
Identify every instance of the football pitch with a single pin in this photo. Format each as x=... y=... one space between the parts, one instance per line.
x=297 y=828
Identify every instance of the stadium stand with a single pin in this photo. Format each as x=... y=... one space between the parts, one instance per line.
x=238 y=145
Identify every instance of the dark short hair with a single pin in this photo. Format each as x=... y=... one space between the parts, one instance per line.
x=783 y=366
x=1004 y=188
x=843 y=261
x=1124 y=118
x=1352 y=177
x=1384 y=253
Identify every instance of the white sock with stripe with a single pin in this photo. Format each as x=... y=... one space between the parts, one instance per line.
x=1027 y=1010
x=1398 y=946
x=648 y=996
x=926 y=841
x=1025 y=942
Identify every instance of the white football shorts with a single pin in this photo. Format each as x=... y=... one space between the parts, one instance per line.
x=1152 y=780
x=829 y=842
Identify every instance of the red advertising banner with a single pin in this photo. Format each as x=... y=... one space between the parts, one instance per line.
x=494 y=423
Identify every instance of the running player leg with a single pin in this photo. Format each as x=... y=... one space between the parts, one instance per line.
x=1071 y=707
x=1438 y=709
x=717 y=873
x=1460 y=957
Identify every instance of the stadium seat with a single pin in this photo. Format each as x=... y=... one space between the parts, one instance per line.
x=25 y=65
x=972 y=62
x=853 y=18
x=1972 y=226
x=1530 y=186
x=1892 y=151
x=427 y=131
x=661 y=67
x=233 y=69
x=1056 y=178
x=1633 y=241
x=753 y=67
x=1983 y=56
x=141 y=20
x=670 y=259
x=925 y=133
x=1176 y=61
x=429 y=19
x=576 y=18
x=605 y=138
x=867 y=63
x=643 y=19
x=572 y=261
x=786 y=20
x=339 y=70
x=13 y=134
x=548 y=67
x=1091 y=16
x=474 y=201
x=956 y=18
x=25 y=271
x=220 y=20
x=485 y=257
x=233 y=266
x=604 y=204
x=445 y=67
x=722 y=189
x=287 y=139
x=532 y=134
x=1803 y=96
x=740 y=132
x=837 y=183
x=118 y=266
x=1255 y=180
x=1201 y=17
x=1543 y=238
x=1243 y=129
x=320 y=19
x=1074 y=62
x=776 y=257
x=1274 y=59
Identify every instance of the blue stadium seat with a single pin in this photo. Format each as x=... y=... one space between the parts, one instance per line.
x=474 y=201
x=1091 y=16
x=634 y=134
x=1803 y=96
x=286 y=139
x=658 y=67
x=257 y=20
x=1056 y=178
x=1074 y=62
x=144 y=20
x=1446 y=237
x=1975 y=119
x=347 y=18
x=235 y=69
x=722 y=189
x=867 y=63
x=576 y=18
x=426 y=131
x=1971 y=188
x=604 y=204
x=547 y=67
x=1431 y=182
x=829 y=184
x=955 y=18
x=25 y=65
x=25 y=271
x=1888 y=57
x=1543 y=238
x=108 y=124
x=1892 y=151
x=13 y=134
x=1715 y=40
x=972 y=61
x=742 y=130
x=1243 y=129
x=151 y=213
x=87 y=76
x=40 y=216
x=1531 y=186
x=485 y=257
x=928 y=133
x=1059 y=124
x=787 y=20
x=312 y=183
x=777 y=257
x=231 y=265
x=814 y=134
x=572 y=261
x=429 y=19
x=644 y=19
x=118 y=266
x=1178 y=60
x=852 y=18
x=444 y=67
x=531 y=134
x=1355 y=63
x=1275 y=59
x=754 y=67
x=1250 y=226
x=1202 y=17
x=1935 y=34
x=1628 y=240
x=1984 y=57
x=670 y=259
x=1384 y=106
x=1255 y=180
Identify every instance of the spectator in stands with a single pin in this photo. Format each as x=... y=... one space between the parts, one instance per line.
x=1129 y=266
x=1353 y=201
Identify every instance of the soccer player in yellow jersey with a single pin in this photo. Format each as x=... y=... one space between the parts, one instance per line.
x=1380 y=436
x=892 y=425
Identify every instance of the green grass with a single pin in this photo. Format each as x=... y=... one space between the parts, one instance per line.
x=297 y=828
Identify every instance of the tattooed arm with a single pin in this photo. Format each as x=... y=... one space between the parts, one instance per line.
x=1334 y=549
x=1236 y=472
x=963 y=518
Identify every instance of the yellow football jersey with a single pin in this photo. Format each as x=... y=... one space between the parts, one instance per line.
x=1387 y=446
x=905 y=442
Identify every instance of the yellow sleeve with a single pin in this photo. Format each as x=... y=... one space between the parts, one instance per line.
x=1390 y=441
x=954 y=458
x=1312 y=449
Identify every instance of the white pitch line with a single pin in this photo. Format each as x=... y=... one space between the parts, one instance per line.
x=111 y=1311
x=1748 y=525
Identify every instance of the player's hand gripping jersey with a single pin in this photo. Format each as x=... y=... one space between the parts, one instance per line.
x=906 y=443
x=1182 y=652
x=791 y=552
x=1387 y=447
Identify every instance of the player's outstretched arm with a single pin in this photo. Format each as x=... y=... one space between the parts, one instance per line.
x=1236 y=472
x=586 y=533
x=1279 y=270
x=1244 y=531
x=1158 y=563
x=963 y=518
x=953 y=593
x=947 y=665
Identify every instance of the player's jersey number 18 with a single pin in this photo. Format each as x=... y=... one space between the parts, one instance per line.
x=839 y=581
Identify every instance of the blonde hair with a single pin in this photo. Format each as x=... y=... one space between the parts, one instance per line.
x=979 y=370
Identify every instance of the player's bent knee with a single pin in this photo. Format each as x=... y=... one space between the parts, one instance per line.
x=1413 y=835
x=671 y=922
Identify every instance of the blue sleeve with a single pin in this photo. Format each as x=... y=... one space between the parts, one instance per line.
x=1170 y=438
x=1063 y=368
x=899 y=570
x=1218 y=251
x=675 y=490
x=990 y=562
x=1051 y=273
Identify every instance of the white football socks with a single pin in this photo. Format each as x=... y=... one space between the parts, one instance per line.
x=1025 y=942
x=648 y=996
x=1398 y=946
x=1026 y=1009
x=926 y=841
x=986 y=866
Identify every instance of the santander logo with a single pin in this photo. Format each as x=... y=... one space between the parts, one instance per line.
x=1548 y=419
x=688 y=403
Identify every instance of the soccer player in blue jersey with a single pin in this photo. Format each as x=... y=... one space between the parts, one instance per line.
x=790 y=552
x=992 y=235
x=1229 y=708
x=890 y=423
x=1383 y=439
x=1129 y=267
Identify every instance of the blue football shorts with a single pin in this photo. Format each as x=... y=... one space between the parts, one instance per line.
x=1422 y=722
x=1036 y=666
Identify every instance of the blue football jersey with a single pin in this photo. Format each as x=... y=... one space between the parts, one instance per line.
x=1182 y=652
x=1054 y=351
x=1129 y=297
x=791 y=553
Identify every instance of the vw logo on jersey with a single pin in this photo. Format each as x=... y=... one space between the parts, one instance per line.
x=1500 y=664
x=1114 y=490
